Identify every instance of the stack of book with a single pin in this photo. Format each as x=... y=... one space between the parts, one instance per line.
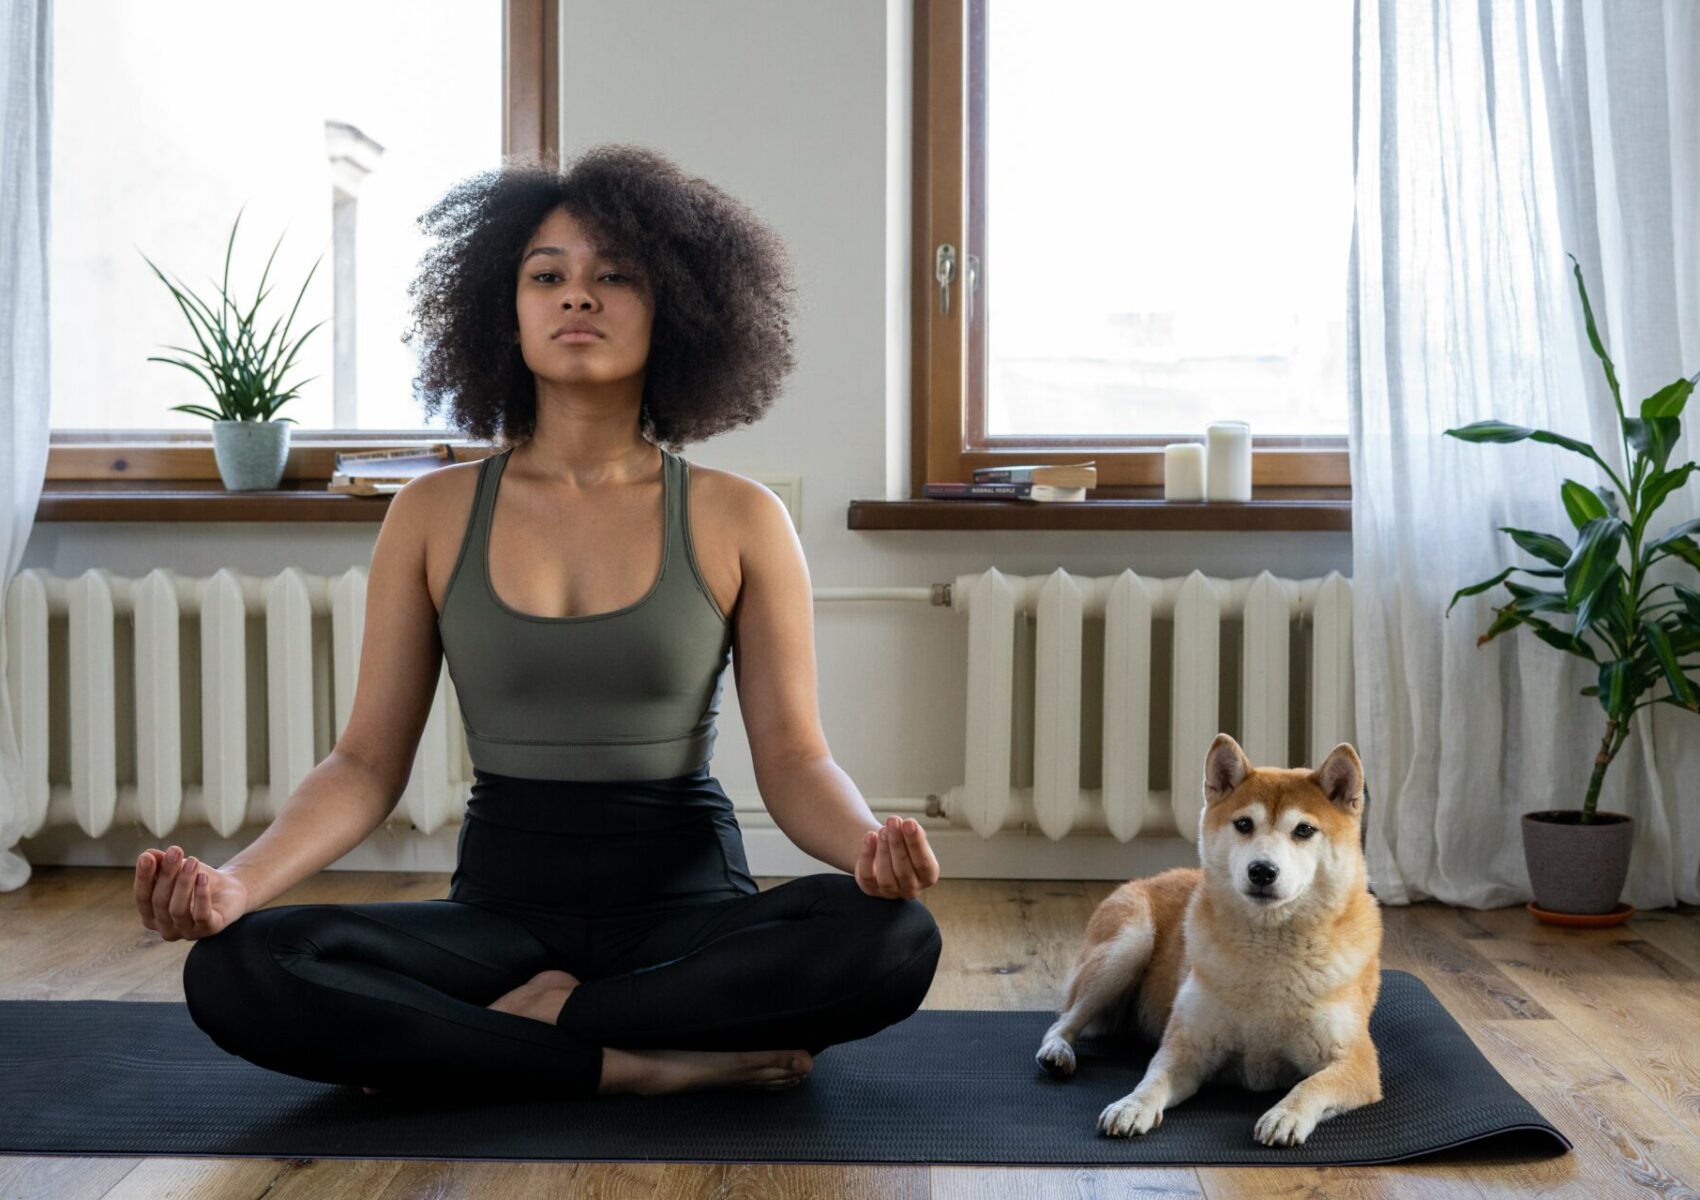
x=1051 y=482
x=385 y=472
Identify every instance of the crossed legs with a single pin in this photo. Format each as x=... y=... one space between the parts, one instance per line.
x=398 y=993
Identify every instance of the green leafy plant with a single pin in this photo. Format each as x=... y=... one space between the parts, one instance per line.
x=1635 y=639
x=244 y=378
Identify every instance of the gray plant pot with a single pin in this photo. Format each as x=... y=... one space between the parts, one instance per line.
x=250 y=454
x=1577 y=868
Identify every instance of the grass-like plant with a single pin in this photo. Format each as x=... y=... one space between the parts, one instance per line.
x=246 y=379
x=1635 y=640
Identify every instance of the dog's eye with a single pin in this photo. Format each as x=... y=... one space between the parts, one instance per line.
x=1302 y=831
x=1243 y=824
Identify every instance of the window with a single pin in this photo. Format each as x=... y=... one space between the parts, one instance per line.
x=1143 y=212
x=334 y=124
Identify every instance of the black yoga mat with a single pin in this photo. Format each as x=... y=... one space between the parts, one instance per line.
x=115 y=1077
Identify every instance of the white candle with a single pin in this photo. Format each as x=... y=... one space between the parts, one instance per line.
x=1183 y=471
x=1229 y=466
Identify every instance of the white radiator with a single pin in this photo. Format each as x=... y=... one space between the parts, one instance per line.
x=1264 y=615
x=271 y=702
x=117 y=682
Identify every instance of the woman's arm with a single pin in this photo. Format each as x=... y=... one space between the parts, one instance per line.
x=355 y=788
x=812 y=800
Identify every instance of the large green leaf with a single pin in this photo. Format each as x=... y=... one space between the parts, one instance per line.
x=1506 y=618
x=1667 y=401
x=1656 y=490
x=1544 y=546
x=1567 y=642
x=1513 y=615
x=1683 y=630
x=1504 y=431
x=1477 y=588
x=1680 y=686
x=1672 y=536
x=1685 y=549
x=1690 y=601
x=1594 y=338
x=1602 y=606
x=1614 y=686
x=1535 y=600
x=1582 y=504
x=1593 y=558
x=1653 y=437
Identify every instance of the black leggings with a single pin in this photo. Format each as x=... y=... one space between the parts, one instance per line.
x=639 y=889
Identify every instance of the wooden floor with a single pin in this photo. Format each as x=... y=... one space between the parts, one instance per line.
x=1599 y=1029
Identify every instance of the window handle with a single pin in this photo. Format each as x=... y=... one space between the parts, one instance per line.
x=944 y=270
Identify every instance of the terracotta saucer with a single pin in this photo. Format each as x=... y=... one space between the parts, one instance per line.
x=1616 y=916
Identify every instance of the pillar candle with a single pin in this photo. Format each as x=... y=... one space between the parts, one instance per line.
x=1183 y=471
x=1228 y=469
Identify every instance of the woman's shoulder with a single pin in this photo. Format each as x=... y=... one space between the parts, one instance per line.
x=432 y=512
x=437 y=495
x=724 y=489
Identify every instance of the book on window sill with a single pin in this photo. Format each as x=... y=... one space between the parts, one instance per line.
x=362 y=486
x=1064 y=475
x=1042 y=492
x=385 y=472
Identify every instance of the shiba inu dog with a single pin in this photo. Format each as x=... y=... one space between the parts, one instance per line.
x=1259 y=968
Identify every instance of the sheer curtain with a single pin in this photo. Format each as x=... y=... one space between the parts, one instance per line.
x=1491 y=140
x=26 y=93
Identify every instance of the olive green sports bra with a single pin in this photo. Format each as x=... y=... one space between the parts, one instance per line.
x=623 y=695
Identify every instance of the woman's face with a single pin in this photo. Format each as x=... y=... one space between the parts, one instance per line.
x=562 y=279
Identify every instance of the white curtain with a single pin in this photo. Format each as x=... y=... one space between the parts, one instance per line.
x=26 y=95
x=1491 y=140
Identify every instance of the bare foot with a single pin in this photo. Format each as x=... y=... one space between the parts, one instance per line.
x=539 y=997
x=651 y=1072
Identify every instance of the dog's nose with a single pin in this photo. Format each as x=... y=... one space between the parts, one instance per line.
x=1262 y=873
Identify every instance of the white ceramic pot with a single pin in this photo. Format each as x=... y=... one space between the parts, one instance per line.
x=250 y=454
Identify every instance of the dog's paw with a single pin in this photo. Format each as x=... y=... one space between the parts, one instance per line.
x=1131 y=1114
x=1284 y=1125
x=1056 y=1056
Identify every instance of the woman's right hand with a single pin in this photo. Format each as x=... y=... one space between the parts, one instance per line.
x=184 y=898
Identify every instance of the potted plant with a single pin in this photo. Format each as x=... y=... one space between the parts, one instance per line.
x=1644 y=647
x=249 y=443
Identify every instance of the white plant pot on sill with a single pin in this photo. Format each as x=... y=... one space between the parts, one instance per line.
x=250 y=454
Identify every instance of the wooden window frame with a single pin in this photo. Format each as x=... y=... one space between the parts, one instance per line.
x=948 y=436
x=1298 y=484
x=87 y=463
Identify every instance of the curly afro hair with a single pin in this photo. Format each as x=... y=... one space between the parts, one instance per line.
x=720 y=345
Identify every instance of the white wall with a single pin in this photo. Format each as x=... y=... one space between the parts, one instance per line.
x=799 y=109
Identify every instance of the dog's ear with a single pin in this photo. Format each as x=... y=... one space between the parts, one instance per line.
x=1341 y=778
x=1225 y=768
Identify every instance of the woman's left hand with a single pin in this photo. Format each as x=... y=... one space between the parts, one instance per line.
x=896 y=863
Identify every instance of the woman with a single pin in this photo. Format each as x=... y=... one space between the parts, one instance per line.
x=602 y=932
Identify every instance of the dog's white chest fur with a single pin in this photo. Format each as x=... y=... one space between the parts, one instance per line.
x=1264 y=1002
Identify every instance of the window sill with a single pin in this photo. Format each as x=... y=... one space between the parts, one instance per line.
x=1271 y=510
x=195 y=500
x=200 y=500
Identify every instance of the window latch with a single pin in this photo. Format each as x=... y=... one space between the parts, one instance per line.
x=944 y=270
